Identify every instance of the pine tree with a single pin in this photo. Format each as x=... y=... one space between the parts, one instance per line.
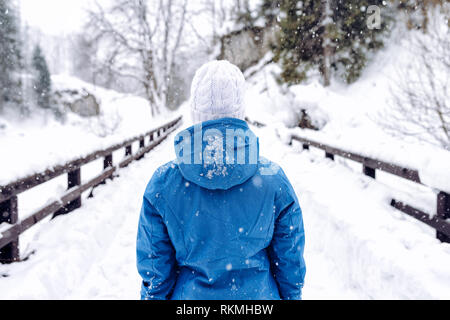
x=269 y=10
x=42 y=80
x=10 y=57
x=330 y=36
x=243 y=14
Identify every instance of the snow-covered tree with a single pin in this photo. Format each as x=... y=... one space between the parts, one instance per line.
x=42 y=81
x=421 y=95
x=84 y=53
x=329 y=35
x=417 y=11
x=269 y=10
x=140 y=41
x=217 y=13
x=10 y=57
x=243 y=13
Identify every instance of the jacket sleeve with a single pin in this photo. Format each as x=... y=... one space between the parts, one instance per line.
x=287 y=246
x=156 y=260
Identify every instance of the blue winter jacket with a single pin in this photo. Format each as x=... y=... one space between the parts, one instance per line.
x=220 y=222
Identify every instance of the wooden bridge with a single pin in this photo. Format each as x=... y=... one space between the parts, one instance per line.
x=71 y=200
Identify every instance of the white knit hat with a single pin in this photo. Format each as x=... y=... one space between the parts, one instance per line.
x=217 y=92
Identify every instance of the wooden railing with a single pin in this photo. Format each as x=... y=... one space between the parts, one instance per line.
x=71 y=200
x=369 y=167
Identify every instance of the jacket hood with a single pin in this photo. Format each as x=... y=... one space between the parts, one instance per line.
x=217 y=154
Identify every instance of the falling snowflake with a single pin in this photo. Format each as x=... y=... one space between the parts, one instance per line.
x=257 y=181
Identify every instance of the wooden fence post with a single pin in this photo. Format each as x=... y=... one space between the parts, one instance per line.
x=128 y=150
x=108 y=161
x=329 y=156
x=368 y=171
x=141 y=146
x=443 y=212
x=9 y=214
x=73 y=180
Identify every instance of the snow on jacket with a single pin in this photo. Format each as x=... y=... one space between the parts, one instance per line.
x=220 y=230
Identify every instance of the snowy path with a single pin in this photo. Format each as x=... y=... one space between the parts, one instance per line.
x=90 y=254
x=119 y=262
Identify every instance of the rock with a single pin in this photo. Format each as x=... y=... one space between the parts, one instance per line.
x=305 y=121
x=246 y=47
x=81 y=102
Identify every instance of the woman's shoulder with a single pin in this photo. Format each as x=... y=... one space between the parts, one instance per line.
x=273 y=173
x=163 y=177
x=270 y=169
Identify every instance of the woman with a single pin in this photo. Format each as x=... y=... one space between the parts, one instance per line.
x=220 y=222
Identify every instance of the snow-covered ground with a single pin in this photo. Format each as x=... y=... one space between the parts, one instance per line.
x=357 y=246
x=375 y=251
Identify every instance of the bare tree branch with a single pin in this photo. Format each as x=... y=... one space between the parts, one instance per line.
x=140 y=40
x=421 y=97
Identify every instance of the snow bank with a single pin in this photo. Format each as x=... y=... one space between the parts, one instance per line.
x=376 y=251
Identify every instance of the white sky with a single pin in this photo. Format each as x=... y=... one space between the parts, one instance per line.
x=54 y=16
